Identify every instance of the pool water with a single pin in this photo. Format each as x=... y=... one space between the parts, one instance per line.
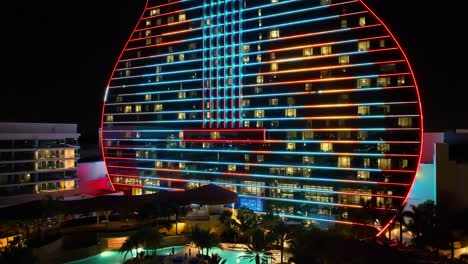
x=106 y=257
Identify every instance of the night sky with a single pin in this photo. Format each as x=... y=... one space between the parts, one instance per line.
x=57 y=57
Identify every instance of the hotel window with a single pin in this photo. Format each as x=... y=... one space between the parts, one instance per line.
x=246 y=48
x=181 y=116
x=246 y=123
x=274 y=34
x=274 y=1
x=260 y=158
x=362 y=21
x=182 y=17
x=147 y=97
x=154 y=11
x=127 y=73
x=259 y=113
x=325 y=74
x=289 y=171
x=158 y=21
x=307 y=135
x=170 y=19
x=363 y=110
x=273 y=101
x=259 y=58
x=158 y=164
x=158 y=40
x=128 y=109
x=344 y=23
x=291 y=101
x=252 y=188
x=148 y=22
x=231 y=167
x=363 y=45
x=245 y=102
x=147 y=33
x=137 y=108
x=259 y=12
x=383 y=147
x=383 y=81
x=158 y=69
x=272 y=56
x=110 y=118
x=363 y=175
x=215 y=135
x=258 y=90
x=403 y=164
x=170 y=58
x=362 y=135
x=343 y=60
x=390 y=67
x=246 y=157
x=158 y=107
x=118 y=99
x=246 y=59
x=148 y=41
x=308 y=51
x=366 y=162
x=326 y=50
x=290 y=112
x=325 y=146
x=274 y=66
x=344 y=162
x=308 y=159
x=181 y=165
x=325 y=2
x=401 y=80
x=405 y=122
x=382 y=43
x=181 y=95
x=384 y=164
x=308 y=86
x=260 y=79
x=192 y=46
x=259 y=124
x=364 y=82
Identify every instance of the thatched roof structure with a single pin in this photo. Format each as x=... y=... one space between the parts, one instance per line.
x=207 y=194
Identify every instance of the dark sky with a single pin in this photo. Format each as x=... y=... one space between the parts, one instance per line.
x=58 y=55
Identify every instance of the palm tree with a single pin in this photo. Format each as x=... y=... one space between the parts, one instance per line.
x=203 y=239
x=127 y=247
x=422 y=222
x=279 y=232
x=257 y=249
x=216 y=259
x=245 y=222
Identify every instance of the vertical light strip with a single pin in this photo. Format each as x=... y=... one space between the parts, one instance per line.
x=233 y=62
x=240 y=68
x=204 y=64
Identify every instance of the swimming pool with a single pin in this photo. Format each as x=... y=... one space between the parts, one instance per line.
x=231 y=256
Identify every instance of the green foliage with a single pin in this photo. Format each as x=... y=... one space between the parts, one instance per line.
x=257 y=249
x=203 y=239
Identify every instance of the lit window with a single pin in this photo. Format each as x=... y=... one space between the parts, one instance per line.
x=158 y=40
x=158 y=164
x=308 y=51
x=260 y=79
x=245 y=102
x=401 y=80
x=259 y=113
x=403 y=164
x=181 y=116
x=344 y=23
x=182 y=17
x=326 y=50
x=147 y=33
x=405 y=122
x=259 y=58
x=290 y=146
x=246 y=59
x=308 y=86
x=215 y=135
x=383 y=147
x=109 y=118
x=344 y=162
x=325 y=2
x=181 y=57
x=364 y=82
x=246 y=48
x=246 y=123
x=154 y=11
x=148 y=41
x=158 y=69
x=362 y=21
x=273 y=101
x=148 y=22
x=307 y=135
x=170 y=58
x=384 y=163
x=362 y=135
x=274 y=1
x=137 y=108
x=258 y=90
x=128 y=109
x=181 y=165
x=274 y=66
x=170 y=19
x=325 y=146
x=181 y=95
x=274 y=33
x=231 y=167
x=147 y=97
x=291 y=101
x=363 y=110
x=343 y=59
x=383 y=81
x=259 y=124
x=158 y=107
x=382 y=43
x=127 y=73
x=366 y=162
x=260 y=158
x=290 y=112
x=363 y=175
x=363 y=45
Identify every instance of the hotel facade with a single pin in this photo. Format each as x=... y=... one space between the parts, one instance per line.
x=308 y=108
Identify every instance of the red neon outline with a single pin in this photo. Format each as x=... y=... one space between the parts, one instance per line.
x=107 y=90
x=420 y=110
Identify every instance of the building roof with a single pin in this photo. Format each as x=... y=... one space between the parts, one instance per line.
x=208 y=194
